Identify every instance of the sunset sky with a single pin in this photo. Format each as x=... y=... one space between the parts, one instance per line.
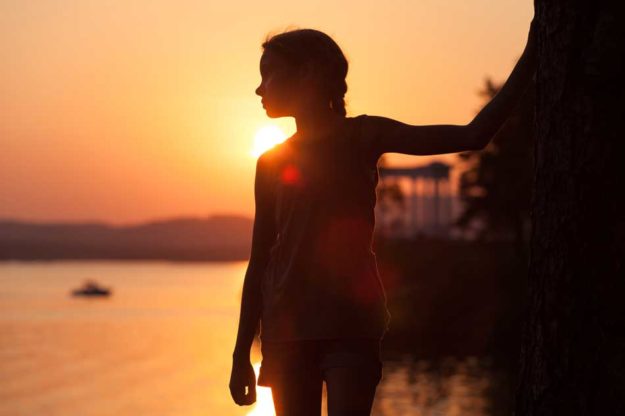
x=126 y=110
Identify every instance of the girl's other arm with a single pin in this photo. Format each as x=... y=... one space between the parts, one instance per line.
x=263 y=237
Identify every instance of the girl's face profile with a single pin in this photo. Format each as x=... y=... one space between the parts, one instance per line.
x=277 y=87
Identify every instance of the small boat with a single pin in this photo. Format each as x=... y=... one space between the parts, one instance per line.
x=91 y=288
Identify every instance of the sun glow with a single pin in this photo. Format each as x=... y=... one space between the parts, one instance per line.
x=267 y=137
x=264 y=401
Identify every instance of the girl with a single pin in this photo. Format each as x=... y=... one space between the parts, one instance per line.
x=312 y=280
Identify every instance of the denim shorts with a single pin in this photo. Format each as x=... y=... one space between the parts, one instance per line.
x=312 y=357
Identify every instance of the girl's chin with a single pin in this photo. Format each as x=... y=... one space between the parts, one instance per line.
x=274 y=114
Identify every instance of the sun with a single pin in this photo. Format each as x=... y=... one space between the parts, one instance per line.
x=265 y=138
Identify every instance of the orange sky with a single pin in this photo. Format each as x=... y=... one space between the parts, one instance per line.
x=123 y=111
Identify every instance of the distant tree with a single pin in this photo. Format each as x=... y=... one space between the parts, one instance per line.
x=496 y=182
x=573 y=354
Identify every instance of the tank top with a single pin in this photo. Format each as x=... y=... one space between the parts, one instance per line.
x=322 y=279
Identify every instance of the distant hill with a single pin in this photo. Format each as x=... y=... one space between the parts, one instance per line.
x=217 y=238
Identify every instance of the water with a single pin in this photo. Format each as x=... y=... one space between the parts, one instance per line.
x=162 y=345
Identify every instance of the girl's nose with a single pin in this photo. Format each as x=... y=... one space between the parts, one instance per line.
x=259 y=90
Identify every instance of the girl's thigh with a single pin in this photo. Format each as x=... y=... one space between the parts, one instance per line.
x=297 y=394
x=351 y=390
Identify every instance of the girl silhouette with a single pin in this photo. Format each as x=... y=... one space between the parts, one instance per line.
x=312 y=281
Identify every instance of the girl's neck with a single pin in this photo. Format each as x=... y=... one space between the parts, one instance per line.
x=316 y=124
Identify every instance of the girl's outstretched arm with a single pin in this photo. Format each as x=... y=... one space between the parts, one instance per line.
x=388 y=135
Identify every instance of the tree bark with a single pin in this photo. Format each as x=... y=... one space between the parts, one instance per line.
x=573 y=352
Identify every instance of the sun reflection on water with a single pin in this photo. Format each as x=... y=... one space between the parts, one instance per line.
x=166 y=320
x=264 y=401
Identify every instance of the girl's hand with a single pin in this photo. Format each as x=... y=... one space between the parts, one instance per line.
x=242 y=378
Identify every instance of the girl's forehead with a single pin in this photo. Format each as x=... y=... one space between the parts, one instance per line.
x=271 y=58
x=264 y=59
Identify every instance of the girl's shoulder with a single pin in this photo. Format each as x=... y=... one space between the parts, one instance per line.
x=364 y=133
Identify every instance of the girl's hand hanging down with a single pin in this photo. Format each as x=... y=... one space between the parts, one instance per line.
x=243 y=382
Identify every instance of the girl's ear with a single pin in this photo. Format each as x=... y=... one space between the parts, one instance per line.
x=309 y=77
x=307 y=72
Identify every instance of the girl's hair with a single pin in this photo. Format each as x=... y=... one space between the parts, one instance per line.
x=319 y=51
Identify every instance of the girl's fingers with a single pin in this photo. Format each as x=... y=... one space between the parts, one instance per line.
x=238 y=394
x=243 y=385
x=241 y=397
x=250 y=397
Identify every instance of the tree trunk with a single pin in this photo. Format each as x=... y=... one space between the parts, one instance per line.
x=573 y=353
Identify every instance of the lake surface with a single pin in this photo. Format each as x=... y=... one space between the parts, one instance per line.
x=162 y=345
